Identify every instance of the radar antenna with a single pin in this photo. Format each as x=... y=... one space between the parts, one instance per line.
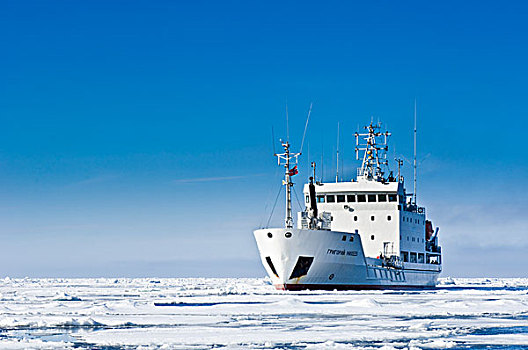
x=374 y=143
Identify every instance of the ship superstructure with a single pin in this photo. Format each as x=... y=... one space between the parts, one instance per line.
x=366 y=233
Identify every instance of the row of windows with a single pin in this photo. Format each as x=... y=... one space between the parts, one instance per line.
x=419 y=258
x=412 y=257
x=352 y=198
x=416 y=239
x=411 y=220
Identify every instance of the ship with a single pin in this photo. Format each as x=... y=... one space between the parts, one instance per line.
x=362 y=233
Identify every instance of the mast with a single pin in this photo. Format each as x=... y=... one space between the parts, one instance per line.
x=286 y=159
x=400 y=163
x=414 y=160
x=374 y=144
x=337 y=155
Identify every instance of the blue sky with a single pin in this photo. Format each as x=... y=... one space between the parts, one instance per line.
x=135 y=136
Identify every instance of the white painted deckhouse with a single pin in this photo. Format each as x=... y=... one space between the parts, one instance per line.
x=366 y=233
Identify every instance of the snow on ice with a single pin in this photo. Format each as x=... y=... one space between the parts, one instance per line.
x=205 y=313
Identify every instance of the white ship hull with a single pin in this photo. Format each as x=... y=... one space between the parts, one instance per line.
x=337 y=262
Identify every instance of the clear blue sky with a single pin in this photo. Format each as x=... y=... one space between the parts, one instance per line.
x=135 y=135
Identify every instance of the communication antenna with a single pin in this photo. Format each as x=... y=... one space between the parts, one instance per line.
x=415 y=166
x=273 y=140
x=306 y=126
x=287 y=124
x=337 y=155
x=342 y=168
x=309 y=160
x=322 y=159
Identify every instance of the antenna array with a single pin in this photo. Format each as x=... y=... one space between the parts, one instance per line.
x=374 y=144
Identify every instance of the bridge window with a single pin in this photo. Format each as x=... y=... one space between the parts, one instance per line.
x=413 y=257
x=340 y=198
x=344 y=238
x=393 y=198
x=351 y=198
x=404 y=256
x=382 y=197
x=320 y=199
x=330 y=198
x=307 y=199
x=421 y=258
x=433 y=259
x=361 y=198
x=371 y=197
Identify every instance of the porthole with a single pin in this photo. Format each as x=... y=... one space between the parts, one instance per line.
x=372 y=237
x=389 y=218
x=351 y=238
x=331 y=277
x=372 y=218
x=355 y=218
x=288 y=234
x=344 y=238
x=270 y=234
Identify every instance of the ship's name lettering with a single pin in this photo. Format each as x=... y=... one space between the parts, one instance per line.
x=342 y=252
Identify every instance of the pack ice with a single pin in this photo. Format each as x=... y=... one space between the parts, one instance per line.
x=198 y=313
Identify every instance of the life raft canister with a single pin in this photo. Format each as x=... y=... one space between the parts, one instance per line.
x=428 y=229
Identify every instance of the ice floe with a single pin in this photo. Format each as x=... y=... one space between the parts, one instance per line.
x=204 y=313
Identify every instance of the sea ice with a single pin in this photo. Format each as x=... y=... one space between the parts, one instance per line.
x=202 y=313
